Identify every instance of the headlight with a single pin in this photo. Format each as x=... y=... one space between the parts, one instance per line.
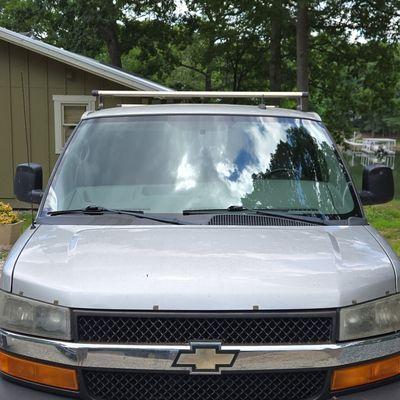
x=22 y=315
x=370 y=319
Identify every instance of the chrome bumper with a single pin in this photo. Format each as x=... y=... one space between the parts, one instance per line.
x=161 y=357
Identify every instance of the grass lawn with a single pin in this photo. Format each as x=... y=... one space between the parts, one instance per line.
x=26 y=216
x=386 y=218
x=3 y=255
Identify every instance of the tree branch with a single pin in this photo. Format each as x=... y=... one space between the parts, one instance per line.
x=193 y=68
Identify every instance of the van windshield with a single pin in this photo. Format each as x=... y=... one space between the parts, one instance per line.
x=171 y=163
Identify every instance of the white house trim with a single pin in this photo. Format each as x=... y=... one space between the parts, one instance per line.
x=59 y=102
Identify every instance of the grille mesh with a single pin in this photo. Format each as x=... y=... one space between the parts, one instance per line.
x=254 y=220
x=183 y=329
x=265 y=386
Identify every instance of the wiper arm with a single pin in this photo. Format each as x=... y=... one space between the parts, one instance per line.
x=96 y=210
x=311 y=220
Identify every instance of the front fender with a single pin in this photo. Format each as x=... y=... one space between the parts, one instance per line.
x=8 y=268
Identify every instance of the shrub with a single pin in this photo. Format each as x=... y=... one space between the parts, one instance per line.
x=7 y=215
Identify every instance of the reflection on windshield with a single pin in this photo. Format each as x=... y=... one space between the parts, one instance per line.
x=169 y=163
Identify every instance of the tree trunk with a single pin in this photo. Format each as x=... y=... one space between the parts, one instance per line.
x=113 y=46
x=209 y=58
x=275 y=63
x=302 y=47
x=208 y=80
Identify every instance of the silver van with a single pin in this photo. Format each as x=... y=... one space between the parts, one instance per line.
x=200 y=252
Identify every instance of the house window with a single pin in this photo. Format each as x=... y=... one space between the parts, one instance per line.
x=67 y=114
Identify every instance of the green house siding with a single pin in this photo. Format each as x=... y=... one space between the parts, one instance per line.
x=42 y=78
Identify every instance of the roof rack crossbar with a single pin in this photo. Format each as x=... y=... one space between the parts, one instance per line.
x=199 y=94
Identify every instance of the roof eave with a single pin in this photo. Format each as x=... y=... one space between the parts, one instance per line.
x=81 y=62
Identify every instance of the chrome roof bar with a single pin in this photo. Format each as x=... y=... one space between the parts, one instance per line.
x=199 y=94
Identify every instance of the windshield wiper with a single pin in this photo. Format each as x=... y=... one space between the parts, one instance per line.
x=311 y=220
x=91 y=210
x=96 y=210
x=302 y=218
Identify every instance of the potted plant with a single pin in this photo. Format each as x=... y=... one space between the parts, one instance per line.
x=10 y=226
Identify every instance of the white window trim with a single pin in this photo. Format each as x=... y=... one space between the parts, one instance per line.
x=63 y=100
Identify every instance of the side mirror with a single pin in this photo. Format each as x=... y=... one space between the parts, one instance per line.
x=28 y=183
x=377 y=185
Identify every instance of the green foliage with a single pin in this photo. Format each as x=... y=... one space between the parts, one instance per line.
x=3 y=256
x=386 y=218
x=220 y=45
x=26 y=217
x=87 y=26
x=356 y=86
x=23 y=16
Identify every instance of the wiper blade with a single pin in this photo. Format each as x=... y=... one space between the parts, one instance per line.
x=91 y=210
x=302 y=210
x=215 y=210
x=96 y=210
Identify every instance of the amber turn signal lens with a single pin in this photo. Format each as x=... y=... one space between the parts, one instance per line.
x=44 y=374
x=366 y=373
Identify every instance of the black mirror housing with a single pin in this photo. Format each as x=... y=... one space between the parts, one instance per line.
x=28 y=183
x=377 y=185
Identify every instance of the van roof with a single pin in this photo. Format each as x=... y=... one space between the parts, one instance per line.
x=225 y=109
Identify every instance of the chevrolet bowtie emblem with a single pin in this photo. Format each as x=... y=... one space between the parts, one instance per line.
x=205 y=357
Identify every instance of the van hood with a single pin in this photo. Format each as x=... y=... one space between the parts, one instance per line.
x=203 y=267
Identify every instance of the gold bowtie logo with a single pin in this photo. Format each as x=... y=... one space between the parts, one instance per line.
x=205 y=357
